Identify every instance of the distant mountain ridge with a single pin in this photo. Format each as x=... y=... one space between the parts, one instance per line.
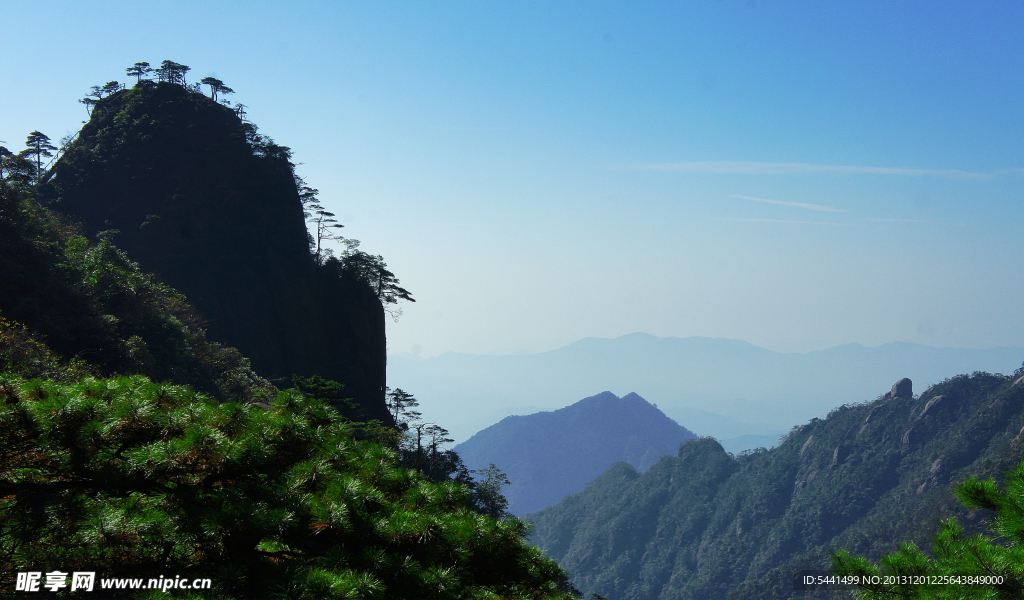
x=703 y=525
x=548 y=455
x=719 y=387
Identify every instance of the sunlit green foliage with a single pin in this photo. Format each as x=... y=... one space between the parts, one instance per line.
x=136 y=478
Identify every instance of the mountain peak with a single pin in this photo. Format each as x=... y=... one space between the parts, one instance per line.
x=550 y=454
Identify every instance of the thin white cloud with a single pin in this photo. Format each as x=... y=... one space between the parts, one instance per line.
x=818 y=207
x=767 y=168
x=903 y=221
x=786 y=221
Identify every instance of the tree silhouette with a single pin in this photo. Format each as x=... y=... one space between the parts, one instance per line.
x=323 y=222
x=39 y=146
x=373 y=270
x=138 y=70
x=88 y=102
x=437 y=436
x=172 y=72
x=214 y=84
x=216 y=87
x=4 y=153
x=400 y=404
x=15 y=169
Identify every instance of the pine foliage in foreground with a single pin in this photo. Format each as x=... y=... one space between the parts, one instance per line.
x=132 y=478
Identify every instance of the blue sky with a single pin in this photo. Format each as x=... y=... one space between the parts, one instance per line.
x=797 y=175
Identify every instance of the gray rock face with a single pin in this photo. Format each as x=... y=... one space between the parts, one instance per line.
x=902 y=388
x=934 y=405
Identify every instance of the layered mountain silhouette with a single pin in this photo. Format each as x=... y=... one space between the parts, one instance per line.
x=548 y=455
x=718 y=387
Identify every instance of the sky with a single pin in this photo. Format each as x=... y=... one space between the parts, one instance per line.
x=798 y=174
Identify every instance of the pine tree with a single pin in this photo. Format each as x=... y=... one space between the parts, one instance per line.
x=400 y=404
x=38 y=145
x=488 y=491
x=138 y=70
x=172 y=72
x=216 y=85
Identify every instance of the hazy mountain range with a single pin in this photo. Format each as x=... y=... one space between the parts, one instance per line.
x=711 y=386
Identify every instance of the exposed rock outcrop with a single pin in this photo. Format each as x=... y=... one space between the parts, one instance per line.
x=904 y=388
x=934 y=406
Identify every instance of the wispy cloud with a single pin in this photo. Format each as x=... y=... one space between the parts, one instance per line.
x=767 y=168
x=818 y=207
x=786 y=221
x=904 y=221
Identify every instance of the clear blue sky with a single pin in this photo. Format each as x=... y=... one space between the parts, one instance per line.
x=795 y=174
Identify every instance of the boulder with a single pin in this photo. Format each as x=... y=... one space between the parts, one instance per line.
x=903 y=388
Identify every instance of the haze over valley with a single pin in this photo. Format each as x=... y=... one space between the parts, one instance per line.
x=717 y=387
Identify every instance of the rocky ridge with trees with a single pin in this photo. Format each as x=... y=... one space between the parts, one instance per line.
x=183 y=178
x=705 y=524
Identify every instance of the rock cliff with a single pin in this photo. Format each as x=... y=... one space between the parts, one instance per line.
x=213 y=210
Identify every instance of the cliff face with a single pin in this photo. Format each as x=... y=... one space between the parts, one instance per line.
x=213 y=210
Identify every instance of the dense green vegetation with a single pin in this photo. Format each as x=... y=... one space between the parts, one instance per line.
x=705 y=524
x=139 y=479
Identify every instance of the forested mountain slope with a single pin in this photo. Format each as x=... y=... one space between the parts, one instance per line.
x=548 y=455
x=706 y=525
